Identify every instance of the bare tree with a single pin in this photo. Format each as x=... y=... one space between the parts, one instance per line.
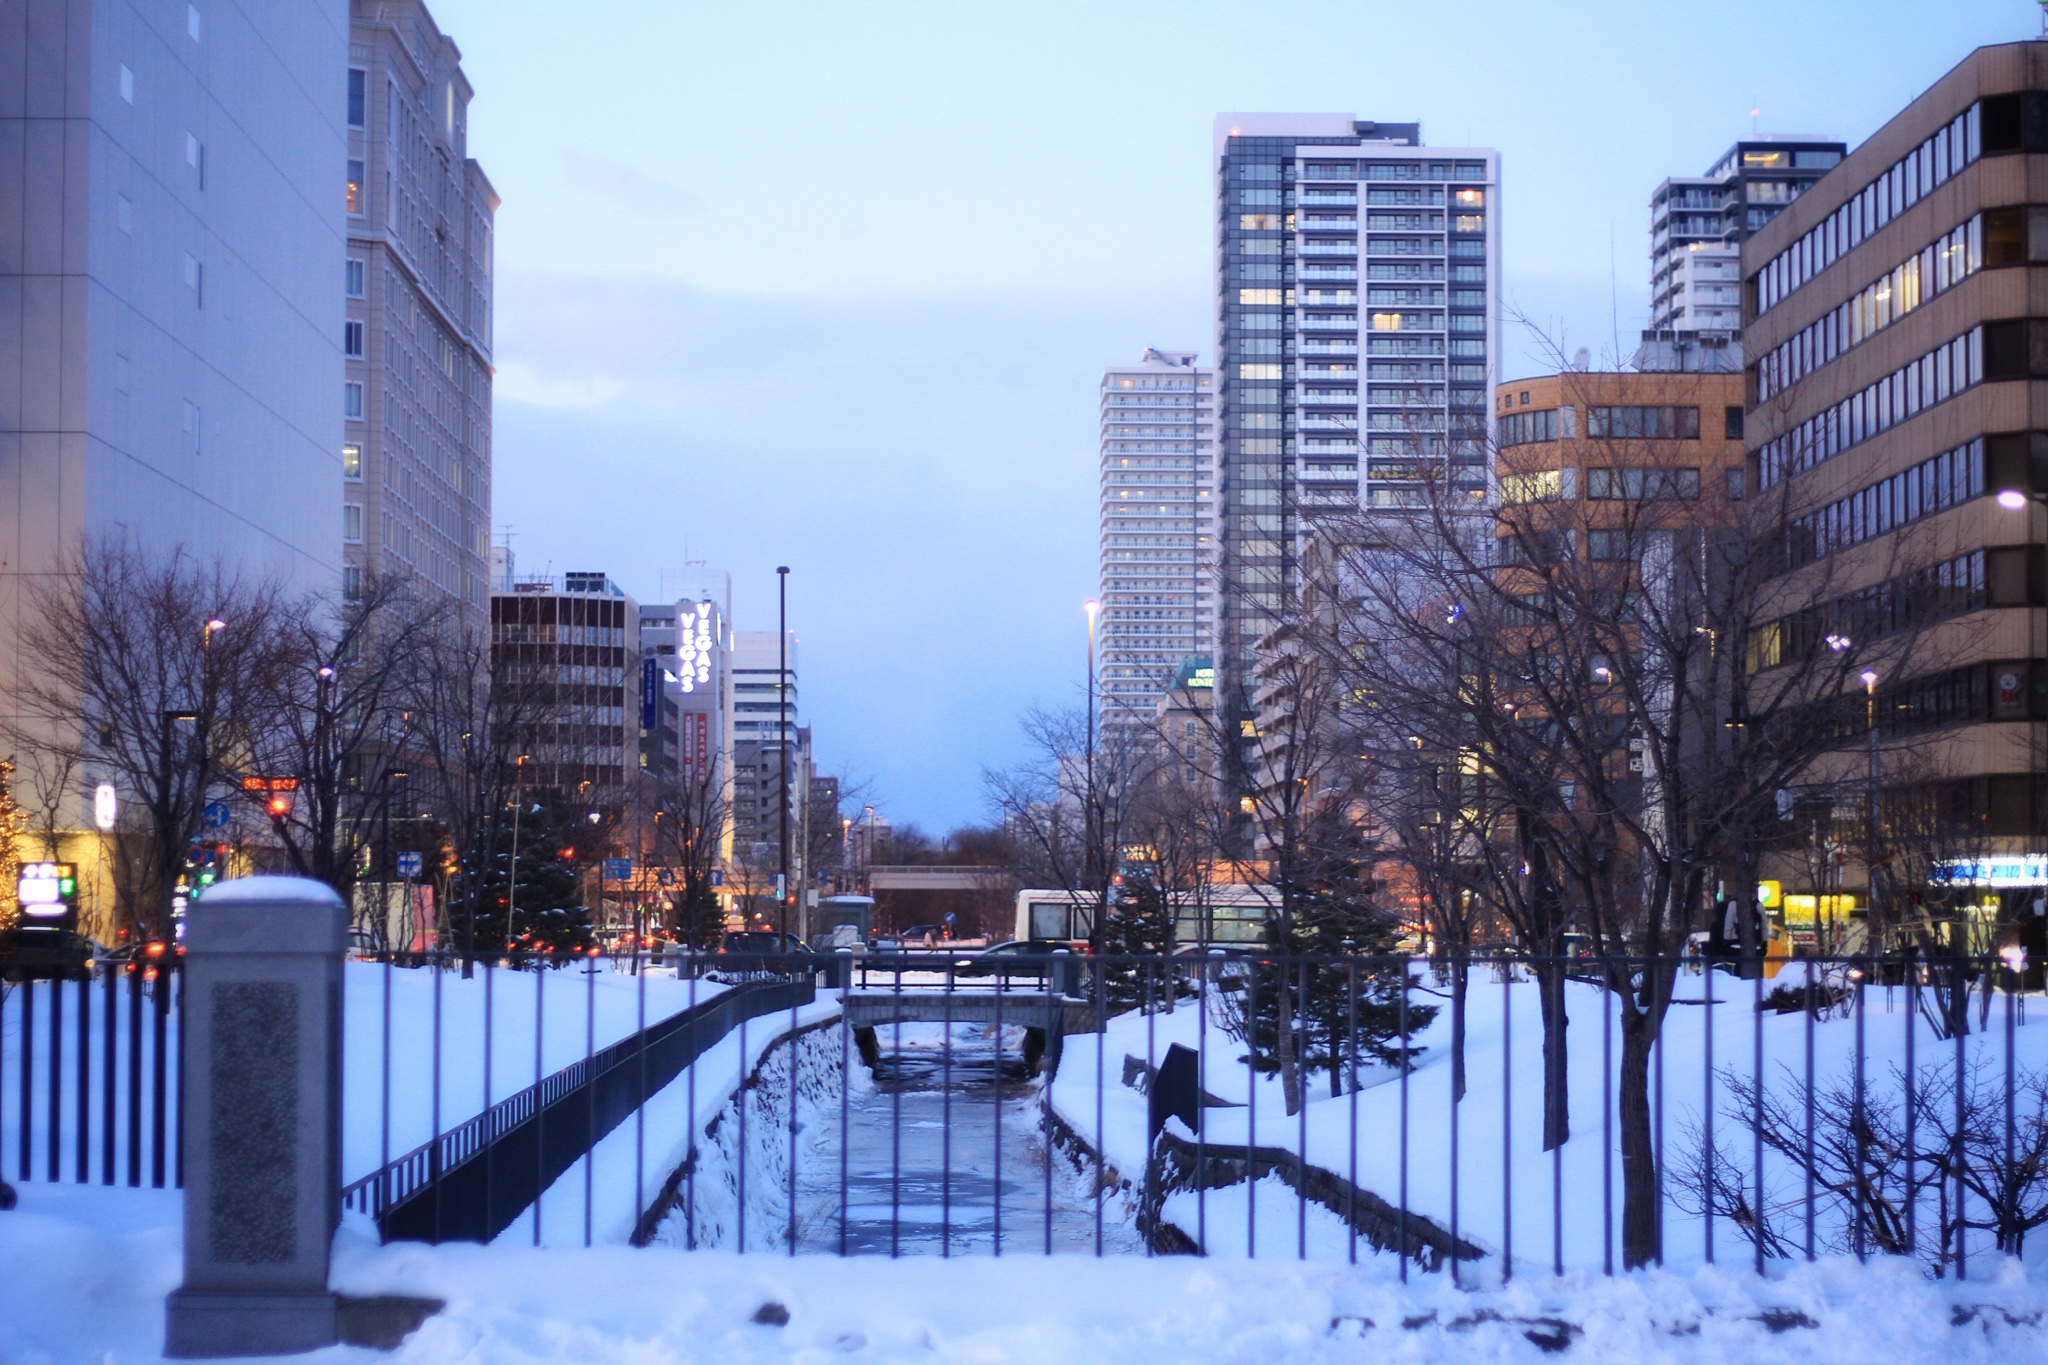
x=155 y=671
x=686 y=809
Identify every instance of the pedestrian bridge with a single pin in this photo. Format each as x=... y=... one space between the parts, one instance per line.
x=1045 y=1018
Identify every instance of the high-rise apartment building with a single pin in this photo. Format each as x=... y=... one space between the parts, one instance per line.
x=174 y=226
x=1699 y=223
x=1342 y=243
x=1158 y=519
x=768 y=750
x=416 y=455
x=1898 y=391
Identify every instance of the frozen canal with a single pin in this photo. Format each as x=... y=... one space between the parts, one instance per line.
x=945 y=1154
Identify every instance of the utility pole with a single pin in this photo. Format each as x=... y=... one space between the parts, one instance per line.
x=782 y=734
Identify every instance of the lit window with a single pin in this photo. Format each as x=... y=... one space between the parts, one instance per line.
x=352 y=461
x=355 y=187
x=1470 y=199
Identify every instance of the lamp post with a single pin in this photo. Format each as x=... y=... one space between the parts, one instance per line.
x=782 y=740
x=1091 y=814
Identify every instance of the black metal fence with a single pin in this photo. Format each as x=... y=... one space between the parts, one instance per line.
x=89 y=1077
x=1483 y=1116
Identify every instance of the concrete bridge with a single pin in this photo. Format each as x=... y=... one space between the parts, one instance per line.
x=1045 y=1018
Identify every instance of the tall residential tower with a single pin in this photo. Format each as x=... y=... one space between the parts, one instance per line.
x=1158 y=521
x=1338 y=238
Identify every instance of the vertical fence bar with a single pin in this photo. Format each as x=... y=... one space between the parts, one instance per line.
x=25 y=1141
x=1405 y=1069
x=1463 y=968
x=109 y=1034
x=1860 y=1118
x=896 y=1113
x=540 y=978
x=589 y=1085
x=83 y=1174
x=159 y=1098
x=996 y=1127
x=1351 y=1045
x=1660 y=999
x=689 y=964
x=2011 y=1172
x=1251 y=1116
x=740 y=1098
x=1707 y=1097
x=1152 y=1067
x=383 y=1195
x=55 y=1134
x=1911 y=1112
x=1958 y=1153
x=490 y=1048
x=795 y=1057
x=844 y=957
x=1507 y=1122
x=641 y=962
x=1202 y=1088
x=178 y=1087
x=1299 y=1024
x=1808 y=1136
x=134 y=1077
x=1054 y=987
x=946 y=1122
x=1101 y=1032
x=434 y=1159
x=1756 y=1110
x=1607 y=1123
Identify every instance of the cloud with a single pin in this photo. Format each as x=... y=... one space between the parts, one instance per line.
x=629 y=187
x=522 y=383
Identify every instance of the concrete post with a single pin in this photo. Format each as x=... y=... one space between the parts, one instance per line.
x=261 y=1119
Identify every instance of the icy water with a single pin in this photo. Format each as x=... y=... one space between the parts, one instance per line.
x=945 y=1156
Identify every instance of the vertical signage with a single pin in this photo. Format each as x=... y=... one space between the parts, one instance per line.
x=650 y=693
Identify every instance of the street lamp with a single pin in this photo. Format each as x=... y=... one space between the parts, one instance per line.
x=1869 y=677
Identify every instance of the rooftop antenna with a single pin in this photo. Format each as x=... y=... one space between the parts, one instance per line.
x=1756 y=111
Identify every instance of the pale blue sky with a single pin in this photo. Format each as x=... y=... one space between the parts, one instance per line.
x=831 y=285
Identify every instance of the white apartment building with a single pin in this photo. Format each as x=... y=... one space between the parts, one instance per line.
x=1158 y=529
x=1698 y=225
x=416 y=456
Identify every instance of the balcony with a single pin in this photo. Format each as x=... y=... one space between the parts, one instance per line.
x=1330 y=224
x=1404 y=246
x=1328 y=272
x=1328 y=199
x=1328 y=324
x=1315 y=246
x=1348 y=347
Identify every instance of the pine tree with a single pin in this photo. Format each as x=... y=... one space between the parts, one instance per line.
x=546 y=917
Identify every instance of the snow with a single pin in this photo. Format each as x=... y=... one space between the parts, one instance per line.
x=1504 y=1179
x=273 y=891
x=83 y=1272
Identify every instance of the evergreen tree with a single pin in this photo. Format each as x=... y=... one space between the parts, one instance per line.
x=1139 y=925
x=545 y=917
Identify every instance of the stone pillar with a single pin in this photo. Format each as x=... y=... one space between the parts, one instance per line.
x=261 y=1119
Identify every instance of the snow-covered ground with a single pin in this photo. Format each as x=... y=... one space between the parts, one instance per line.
x=1499 y=1137
x=83 y=1273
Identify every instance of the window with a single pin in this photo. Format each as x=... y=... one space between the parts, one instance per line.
x=352 y=340
x=358 y=90
x=1610 y=545
x=351 y=522
x=1522 y=428
x=1544 y=485
x=192 y=22
x=1737 y=483
x=127 y=85
x=1639 y=482
x=352 y=401
x=352 y=583
x=1731 y=424
x=355 y=188
x=1468 y=222
x=1471 y=199
x=352 y=461
x=1644 y=423
x=352 y=279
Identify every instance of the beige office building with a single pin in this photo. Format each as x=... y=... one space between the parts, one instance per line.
x=1896 y=404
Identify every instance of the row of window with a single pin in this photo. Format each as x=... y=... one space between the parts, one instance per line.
x=1947 y=370
x=1897 y=189
x=1948 y=261
x=1392 y=170
x=1934 y=485
x=1935 y=592
x=1643 y=423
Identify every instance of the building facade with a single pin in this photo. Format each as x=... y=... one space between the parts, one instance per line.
x=1344 y=249
x=1699 y=223
x=1158 y=529
x=1898 y=406
x=416 y=454
x=770 y=758
x=568 y=651
x=173 y=366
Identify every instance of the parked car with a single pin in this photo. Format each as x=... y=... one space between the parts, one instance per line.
x=923 y=935
x=763 y=941
x=1022 y=958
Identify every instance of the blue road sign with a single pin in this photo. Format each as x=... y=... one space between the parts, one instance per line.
x=617 y=869
x=951 y=917
x=409 y=864
x=717 y=876
x=217 y=814
x=665 y=877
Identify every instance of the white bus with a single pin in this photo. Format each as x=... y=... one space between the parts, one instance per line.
x=1225 y=914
